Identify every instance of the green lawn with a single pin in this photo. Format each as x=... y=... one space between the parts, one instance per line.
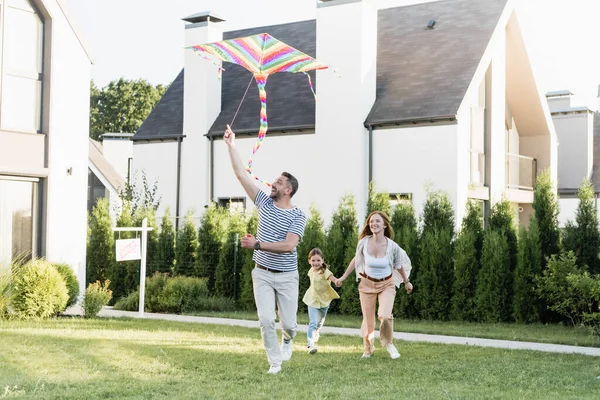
x=557 y=334
x=148 y=359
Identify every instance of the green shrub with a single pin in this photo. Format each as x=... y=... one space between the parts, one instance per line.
x=215 y=304
x=71 y=280
x=97 y=295
x=545 y=205
x=5 y=283
x=377 y=201
x=526 y=305
x=186 y=247
x=231 y=259
x=246 y=300
x=404 y=223
x=38 y=290
x=490 y=294
x=101 y=243
x=583 y=236
x=165 y=254
x=172 y=295
x=211 y=235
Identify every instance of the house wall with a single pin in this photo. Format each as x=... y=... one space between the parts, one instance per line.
x=158 y=160
x=117 y=152
x=412 y=160
x=68 y=122
x=575 y=151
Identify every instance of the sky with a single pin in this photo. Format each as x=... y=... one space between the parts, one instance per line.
x=144 y=38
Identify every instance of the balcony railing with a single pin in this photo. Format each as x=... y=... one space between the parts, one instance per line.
x=521 y=172
x=477 y=168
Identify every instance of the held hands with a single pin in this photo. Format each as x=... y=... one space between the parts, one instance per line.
x=248 y=241
x=229 y=137
x=338 y=282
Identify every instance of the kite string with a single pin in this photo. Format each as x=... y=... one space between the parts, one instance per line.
x=243 y=97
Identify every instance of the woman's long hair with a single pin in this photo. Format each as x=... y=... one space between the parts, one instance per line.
x=387 y=231
x=317 y=252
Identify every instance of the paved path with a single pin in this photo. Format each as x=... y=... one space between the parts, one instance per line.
x=409 y=337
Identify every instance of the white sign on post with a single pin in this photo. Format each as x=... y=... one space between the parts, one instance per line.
x=128 y=249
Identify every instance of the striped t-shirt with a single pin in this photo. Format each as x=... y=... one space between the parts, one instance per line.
x=274 y=223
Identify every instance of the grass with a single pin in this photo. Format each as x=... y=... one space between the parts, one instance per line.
x=551 y=333
x=149 y=359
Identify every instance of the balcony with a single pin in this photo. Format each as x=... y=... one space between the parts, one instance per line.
x=521 y=172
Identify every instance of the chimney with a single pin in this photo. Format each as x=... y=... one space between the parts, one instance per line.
x=347 y=41
x=201 y=106
x=559 y=100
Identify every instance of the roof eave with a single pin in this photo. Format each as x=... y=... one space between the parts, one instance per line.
x=275 y=129
x=409 y=121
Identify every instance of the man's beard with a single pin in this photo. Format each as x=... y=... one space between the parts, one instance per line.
x=275 y=195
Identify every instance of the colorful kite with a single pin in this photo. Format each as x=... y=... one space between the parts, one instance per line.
x=262 y=55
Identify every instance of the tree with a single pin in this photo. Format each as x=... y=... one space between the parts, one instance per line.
x=152 y=240
x=349 y=297
x=231 y=260
x=502 y=221
x=165 y=254
x=342 y=237
x=247 y=289
x=546 y=214
x=314 y=236
x=186 y=246
x=211 y=235
x=438 y=213
x=101 y=243
x=124 y=276
x=122 y=105
x=526 y=306
x=467 y=255
x=490 y=294
x=434 y=282
x=583 y=237
x=378 y=201
x=139 y=194
x=404 y=224
x=433 y=288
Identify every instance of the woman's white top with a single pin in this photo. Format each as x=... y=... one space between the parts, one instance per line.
x=397 y=259
x=377 y=268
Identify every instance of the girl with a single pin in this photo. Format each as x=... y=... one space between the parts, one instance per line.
x=318 y=296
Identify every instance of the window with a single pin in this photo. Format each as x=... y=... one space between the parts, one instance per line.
x=96 y=190
x=234 y=204
x=18 y=225
x=22 y=67
x=400 y=198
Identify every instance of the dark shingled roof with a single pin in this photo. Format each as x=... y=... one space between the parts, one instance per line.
x=165 y=121
x=290 y=102
x=421 y=73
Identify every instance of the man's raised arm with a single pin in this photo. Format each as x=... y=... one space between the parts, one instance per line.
x=238 y=168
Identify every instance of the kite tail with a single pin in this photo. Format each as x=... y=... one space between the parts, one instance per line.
x=261 y=81
x=311 y=85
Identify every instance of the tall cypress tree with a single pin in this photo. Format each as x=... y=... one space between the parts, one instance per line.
x=583 y=236
x=165 y=254
x=186 y=247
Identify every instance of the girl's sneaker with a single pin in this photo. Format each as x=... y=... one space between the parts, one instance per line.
x=316 y=336
x=312 y=349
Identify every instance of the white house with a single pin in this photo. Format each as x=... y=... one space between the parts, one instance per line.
x=440 y=95
x=44 y=124
x=578 y=131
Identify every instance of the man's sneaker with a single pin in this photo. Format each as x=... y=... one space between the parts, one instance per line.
x=286 y=350
x=312 y=349
x=274 y=369
x=316 y=336
x=392 y=350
